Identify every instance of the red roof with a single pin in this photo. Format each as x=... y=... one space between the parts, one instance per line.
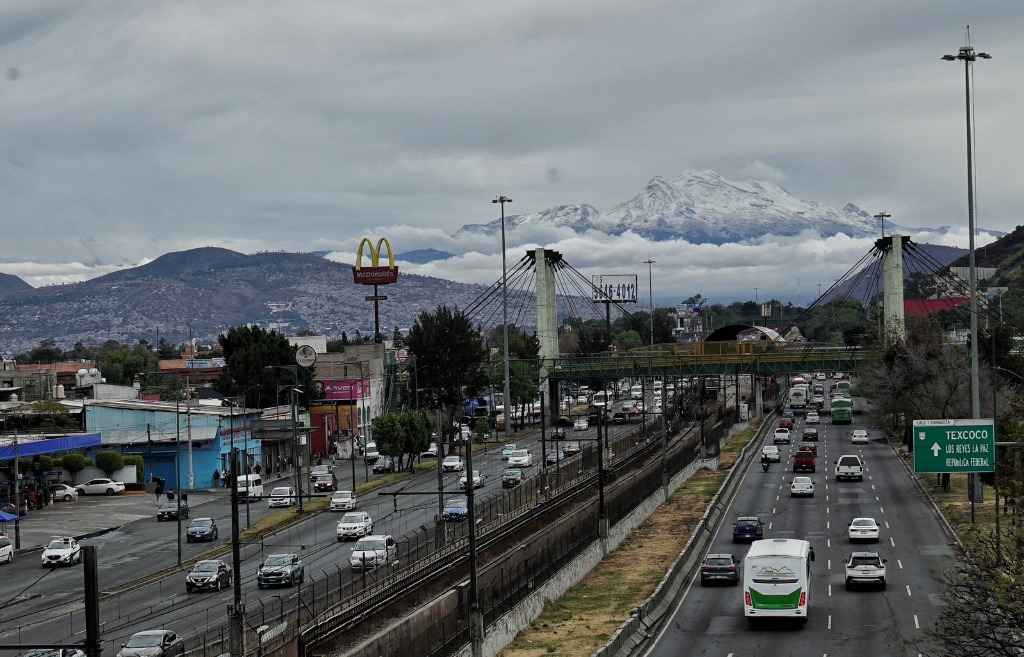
x=919 y=307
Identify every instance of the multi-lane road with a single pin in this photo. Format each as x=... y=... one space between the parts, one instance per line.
x=709 y=621
x=49 y=603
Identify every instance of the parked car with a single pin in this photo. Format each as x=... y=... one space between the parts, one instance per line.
x=343 y=500
x=511 y=478
x=747 y=528
x=455 y=509
x=431 y=452
x=354 y=524
x=282 y=496
x=801 y=487
x=169 y=510
x=61 y=551
x=506 y=450
x=581 y=424
x=865 y=568
x=100 y=487
x=6 y=550
x=280 y=570
x=863 y=529
x=453 y=463
x=325 y=483
x=63 y=492
x=208 y=575
x=202 y=529
x=153 y=643
x=521 y=458
x=479 y=479
x=723 y=568
x=860 y=437
x=384 y=464
x=374 y=551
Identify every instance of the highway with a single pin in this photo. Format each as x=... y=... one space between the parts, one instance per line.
x=49 y=607
x=709 y=621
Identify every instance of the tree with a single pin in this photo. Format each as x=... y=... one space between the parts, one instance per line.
x=54 y=416
x=984 y=610
x=257 y=362
x=120 y=364
x=75 y=463
x=109 y=461
x=449 y=355
x=401 y=434
x=46 y=352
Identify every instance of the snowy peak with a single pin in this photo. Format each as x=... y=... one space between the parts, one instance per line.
x=578 y=217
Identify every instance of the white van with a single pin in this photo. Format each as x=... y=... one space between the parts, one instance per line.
x=250 y=487
x=636 y=392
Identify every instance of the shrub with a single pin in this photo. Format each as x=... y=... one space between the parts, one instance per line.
x=75 y=463
x=109 y=462
x=136 y=460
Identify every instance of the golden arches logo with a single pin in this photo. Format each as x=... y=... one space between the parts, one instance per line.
x=375 y=274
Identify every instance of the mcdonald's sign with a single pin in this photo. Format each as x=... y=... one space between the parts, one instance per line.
x=375 y=274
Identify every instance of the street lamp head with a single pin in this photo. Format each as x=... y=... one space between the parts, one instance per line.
x=502 y=199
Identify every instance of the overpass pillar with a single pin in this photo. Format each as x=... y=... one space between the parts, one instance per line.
x=894 y=328
x=547 y=324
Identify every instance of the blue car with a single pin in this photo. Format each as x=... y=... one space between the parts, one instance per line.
x=456 y=509
x=747 y=528
x=202 y=529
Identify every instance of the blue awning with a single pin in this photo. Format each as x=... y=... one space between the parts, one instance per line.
x=7 y=517
x=28 y=446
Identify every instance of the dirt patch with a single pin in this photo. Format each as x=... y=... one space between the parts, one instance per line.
x=583 y=619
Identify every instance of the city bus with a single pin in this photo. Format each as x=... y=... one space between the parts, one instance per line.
x=776 y=579
x=841 y=411
x=600 y=398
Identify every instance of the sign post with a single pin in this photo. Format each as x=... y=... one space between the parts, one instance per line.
x=942 y=446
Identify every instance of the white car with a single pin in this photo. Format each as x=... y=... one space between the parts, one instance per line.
x=353 y=525
x=63 y=492
x=282 y=496
x=581 y=424
x=860 y=437
x=863 y=529
x=812 y=417
x=801 y=486
x=374 y=551
x=100 y=487
x=478 y=479
x=772 y=452
x=582 y=399
x=820 y=376
x=343 y=500
x=782 y=436
x=865 y=568
x=62 y=551
x=520 y=458
x=431 y=452
x=6 y=550
x=453 y=463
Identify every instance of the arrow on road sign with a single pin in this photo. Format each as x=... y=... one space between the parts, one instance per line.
x=935 y=449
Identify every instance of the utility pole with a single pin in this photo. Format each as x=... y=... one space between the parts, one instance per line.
x=236 y=611
x=507 y=402
x=650 y=293
x=882 y=216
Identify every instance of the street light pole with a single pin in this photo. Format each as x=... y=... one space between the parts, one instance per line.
x=502 y=200
x=650 y=293
x=967 y=55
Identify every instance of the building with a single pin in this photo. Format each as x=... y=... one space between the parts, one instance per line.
x=690 y=323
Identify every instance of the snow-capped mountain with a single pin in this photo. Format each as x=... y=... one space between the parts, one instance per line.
x=703 y=207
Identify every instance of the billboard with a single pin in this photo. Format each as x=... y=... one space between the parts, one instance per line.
x=616 y=288
x=341 y=389
x=375 y=274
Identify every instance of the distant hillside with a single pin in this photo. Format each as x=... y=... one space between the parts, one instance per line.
x=996 y=254
x=423 y=256
x=10 y=284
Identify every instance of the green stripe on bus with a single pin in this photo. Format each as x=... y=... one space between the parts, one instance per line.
x=762 y=601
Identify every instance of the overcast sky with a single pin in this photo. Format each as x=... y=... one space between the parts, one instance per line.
x=132 y=129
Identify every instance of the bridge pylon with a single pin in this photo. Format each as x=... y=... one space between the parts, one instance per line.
x=895 y=326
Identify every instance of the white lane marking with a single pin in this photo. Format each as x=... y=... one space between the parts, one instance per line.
x=877 y=499
x=917 y=625
x=899 y=563
x=830 y=621
x=886 y=524
x=770 y=525
x=909 y=594
x=892 y=542
x=777 y=498
x=826 y=509
x=882 y=509
x=828 y=543
x=872 y=487
x=830 y=590
x=828 y=525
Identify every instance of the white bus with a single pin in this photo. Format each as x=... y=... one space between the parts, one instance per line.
x=600 y=398
x=776 y=579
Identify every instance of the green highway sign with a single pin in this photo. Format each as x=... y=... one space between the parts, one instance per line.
x=954 y=446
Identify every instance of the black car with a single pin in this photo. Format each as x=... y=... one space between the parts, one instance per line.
x=208 y=575
x=723 y=568
x=384 y=464
x=169 y=510
x=202 y=529
x=619 y=417
x=747 y=528
x=810 y=434
x=511 y=478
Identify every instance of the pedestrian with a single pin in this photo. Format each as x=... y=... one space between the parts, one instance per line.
x=280 y=465
x=227 y=477
x=216 y=479
x=319 y=459
x=258 y=468
x=291 y=463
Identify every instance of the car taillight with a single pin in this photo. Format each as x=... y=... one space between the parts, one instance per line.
x=746 y=598
x=803 y=598
x=731 y=568
x=705 y=568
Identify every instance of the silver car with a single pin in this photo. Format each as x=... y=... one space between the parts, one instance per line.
x=153 y=643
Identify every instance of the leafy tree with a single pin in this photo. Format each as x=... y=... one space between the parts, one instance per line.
x=449 y=354
x=79 y=352
x=54 y=416
x=46 y=352
x=401 y=435
x=627 y=340
x=120 y=364
x=257 y=362
x=109 y=461
x=75 y=463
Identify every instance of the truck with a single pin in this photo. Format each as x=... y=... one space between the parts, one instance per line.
x=799 y=395
x=803 y=461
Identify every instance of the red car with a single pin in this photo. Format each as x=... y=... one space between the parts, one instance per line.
x=785 y=423
x=324 y=483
